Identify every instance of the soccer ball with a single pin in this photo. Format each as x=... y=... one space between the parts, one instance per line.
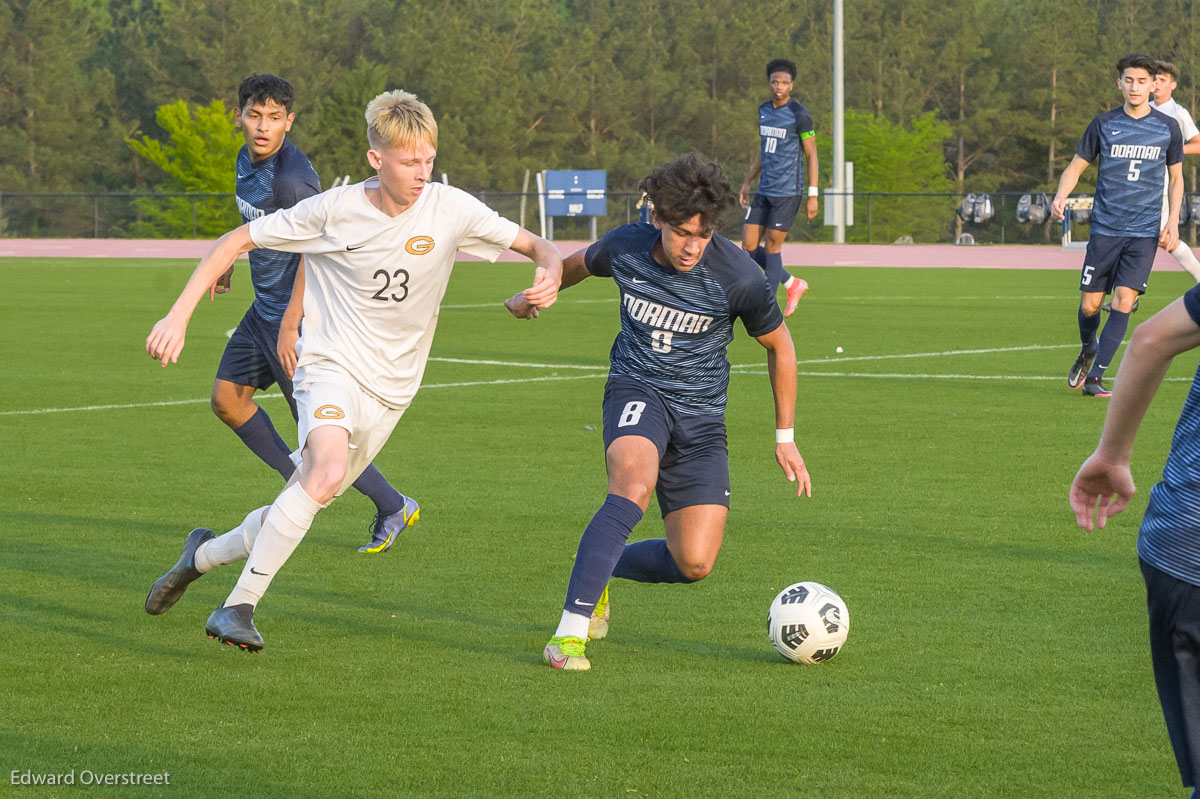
x=808 y=623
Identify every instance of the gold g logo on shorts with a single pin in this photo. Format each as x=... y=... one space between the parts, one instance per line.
x=329 y=412
x=418 y=245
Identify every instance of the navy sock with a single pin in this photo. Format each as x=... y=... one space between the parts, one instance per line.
x=372 y=483
x=1088 y=325
x=649 y=561
x=774 y=269
x=261 y=437
x=759 y=255
x=1110 y=340
x=599 y=549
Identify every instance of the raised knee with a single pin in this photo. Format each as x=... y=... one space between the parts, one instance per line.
x=696 y=571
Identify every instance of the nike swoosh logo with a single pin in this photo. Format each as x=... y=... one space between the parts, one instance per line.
x=558 y=662
x=584 y=604
x=352 y=249
x=727 y=493
x=635 y=280
x=260 y=574
x=243 y=177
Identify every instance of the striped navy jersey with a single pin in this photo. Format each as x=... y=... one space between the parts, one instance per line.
x=1134 y=155
x=676 y=326
x=1169 y=539
x=782 y=130
x=264 y=187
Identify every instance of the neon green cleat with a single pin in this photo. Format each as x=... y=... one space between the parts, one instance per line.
x=598 y=623
x=565 y=653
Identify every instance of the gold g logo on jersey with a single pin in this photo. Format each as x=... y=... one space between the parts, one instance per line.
x=418 y=245
x=329 y=412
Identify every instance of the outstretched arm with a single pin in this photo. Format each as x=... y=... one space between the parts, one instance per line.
x=781 y=366
x=166 y=339
x=573 y=271
x=1066 y=185
x=1104 y=485
x=548 y=274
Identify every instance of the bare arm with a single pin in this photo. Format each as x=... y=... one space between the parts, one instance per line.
x=1066 y=185
x=167 y=338
x=1169 y=236
x=810 y=158
x=1191 y=146
x=781 y=366
x=1104 y=482
x=574 y=271
x=755 y=171
x=289 y=326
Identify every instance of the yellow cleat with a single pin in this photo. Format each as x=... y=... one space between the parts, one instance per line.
x=598 y=623
x=565 y=653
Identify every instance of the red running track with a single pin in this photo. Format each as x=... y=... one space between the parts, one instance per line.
x=1013 y=256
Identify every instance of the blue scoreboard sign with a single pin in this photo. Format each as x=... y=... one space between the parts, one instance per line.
x=576 y=192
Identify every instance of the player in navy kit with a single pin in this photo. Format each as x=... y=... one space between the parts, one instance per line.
x=1168 y=543
x=1137 y=148
x=785 y=128
x=273 y=174
x=681 y=290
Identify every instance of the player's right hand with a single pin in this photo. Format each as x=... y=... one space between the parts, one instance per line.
x=285 y=348
x=520 y=307
x=165 y=341
x=1101 y=487
x=744 y=196
x=222 y=285
x=1058 y=208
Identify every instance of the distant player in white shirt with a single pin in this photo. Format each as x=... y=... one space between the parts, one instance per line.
x=1165 y=81
x=378 y=256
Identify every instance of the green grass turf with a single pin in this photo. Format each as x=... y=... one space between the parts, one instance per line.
x=996 y=650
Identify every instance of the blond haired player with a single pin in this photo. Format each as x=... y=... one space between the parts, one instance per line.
x=378 y=256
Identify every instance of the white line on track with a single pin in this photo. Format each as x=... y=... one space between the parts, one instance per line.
x=602 y=371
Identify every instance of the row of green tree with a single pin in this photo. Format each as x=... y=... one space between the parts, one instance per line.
x=941 y=95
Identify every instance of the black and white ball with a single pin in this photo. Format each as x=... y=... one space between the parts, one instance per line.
x=808 y=623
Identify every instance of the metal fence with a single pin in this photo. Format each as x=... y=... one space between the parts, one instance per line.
x=879 y=217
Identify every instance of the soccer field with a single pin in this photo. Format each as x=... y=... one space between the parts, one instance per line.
x=995 y=651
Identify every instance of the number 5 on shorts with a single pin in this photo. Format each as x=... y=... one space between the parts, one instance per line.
x=1087 y=274
x=632 y=414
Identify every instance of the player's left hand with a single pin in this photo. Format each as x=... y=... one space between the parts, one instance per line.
x=793 y=466
x=1101 y=487
x=544 y=290
x=222 y=285
x=1169 y=237
x=520 y=308
x=810 y=210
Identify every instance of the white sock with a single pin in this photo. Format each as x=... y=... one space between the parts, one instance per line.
x=788 y=283
x=1183 y=254
x=287 y=520
x=234 y=545
x=572 y=624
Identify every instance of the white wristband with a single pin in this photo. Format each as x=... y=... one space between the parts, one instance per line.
x=785 y=436
x=813 y=191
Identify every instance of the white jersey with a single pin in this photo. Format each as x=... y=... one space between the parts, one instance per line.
x=1180 y=114
x=373 y=283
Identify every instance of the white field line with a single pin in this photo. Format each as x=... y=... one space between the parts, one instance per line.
x=602 y=371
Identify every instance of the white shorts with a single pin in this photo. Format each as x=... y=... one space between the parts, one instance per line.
x=326 y=394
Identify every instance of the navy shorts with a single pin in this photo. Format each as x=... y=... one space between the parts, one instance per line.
x=1113 y=261
x=1174 y=609
x=693 y=459
x=776 y=213
x=250 y=358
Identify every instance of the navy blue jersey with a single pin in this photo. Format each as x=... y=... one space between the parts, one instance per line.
x=264 y=187
x=1134 y=155
x=1169 y=539
x=676 y=326
x=782 y=130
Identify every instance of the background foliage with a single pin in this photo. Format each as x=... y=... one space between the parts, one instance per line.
x=982 y=95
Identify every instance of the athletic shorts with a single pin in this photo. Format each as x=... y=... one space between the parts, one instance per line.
x=327 y=395
x=1113 y=261
x=776 y=213
x=250 y=357
x=1174 y=609
x=693 y=460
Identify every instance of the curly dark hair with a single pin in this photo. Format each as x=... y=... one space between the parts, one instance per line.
x=781 y=65
x=1137 y=61
x=687 y=186
x=264 y=87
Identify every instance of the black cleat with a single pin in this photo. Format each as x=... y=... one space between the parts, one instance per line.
x=1093 y=387
x=235 y=626
x=167 y=589
x=1080 y=368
